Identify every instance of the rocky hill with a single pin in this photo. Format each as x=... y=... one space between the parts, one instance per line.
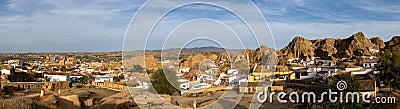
x=299 y=47
x=393 y=44
x=330 y=48
x=378 y=42
x=246 y=59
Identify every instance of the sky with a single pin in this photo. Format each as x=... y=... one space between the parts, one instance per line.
x=100 y=25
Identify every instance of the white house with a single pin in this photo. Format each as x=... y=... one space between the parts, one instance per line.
x=242 y=80
x=184 y=84
x=330 y=70
x=142 y=85
x=294 y=60
x=362 y=72
x=307 y=73
x=54 y=78
x=297 y=68
x=179 y=74
x=62 y=76
x=307 y=63
x=219 y=79
x=75 y=77
x=312 y=72
x=232 y=71
x=204 y=77
x=201 y=86
x=89 y=69
x=368 y=57
x=327 y=63
x=217 y=82
x=315 y=58
x=369 y=63
x=374 y=50
x=353 y=69
x=105 y=72
x=103 y=78
x=230 y=79
x=234 y=79
x=184 y=70
x=5 y=71
x=345 y=60
x=165 y=62
x=212 y=70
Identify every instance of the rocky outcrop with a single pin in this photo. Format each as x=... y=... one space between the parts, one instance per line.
x=193 y=61
x=325 y=48
x=393 y=44
x=299 y=47
x=330 y=48
x=378 y=42
x=149 y=59
x=355 y=45
x=70 y=101
x=117 y=101
x=246 y=60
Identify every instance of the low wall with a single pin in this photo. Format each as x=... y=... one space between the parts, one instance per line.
x=110 y=85
x=22 y=85
x=53 y=86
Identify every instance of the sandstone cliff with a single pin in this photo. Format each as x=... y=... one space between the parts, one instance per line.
x=330 y=48
x=378 y=42
x=394 y=43
x=299 y=47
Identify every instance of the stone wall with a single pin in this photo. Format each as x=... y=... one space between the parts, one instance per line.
x=110 y=85
x=53 y=86
x=22 y=85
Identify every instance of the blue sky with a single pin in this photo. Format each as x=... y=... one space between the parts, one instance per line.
x=82 y=25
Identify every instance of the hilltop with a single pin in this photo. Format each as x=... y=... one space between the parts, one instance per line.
x=330 y=48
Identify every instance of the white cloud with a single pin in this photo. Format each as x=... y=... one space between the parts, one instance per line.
x=64 y=25
x=59 y=25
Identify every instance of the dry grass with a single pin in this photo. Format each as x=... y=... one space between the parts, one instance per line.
x=16 y=103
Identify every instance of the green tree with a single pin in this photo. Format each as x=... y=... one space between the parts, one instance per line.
x=63 y=68
x=87 y=79
x=389 y=66
x=118 y=78
x=353 y=85
x=83 y=79
x=160 y=82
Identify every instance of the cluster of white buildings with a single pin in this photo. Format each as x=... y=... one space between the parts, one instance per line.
x=54 y=74
x=313 y=61
x=324 y=68
x=206 y=80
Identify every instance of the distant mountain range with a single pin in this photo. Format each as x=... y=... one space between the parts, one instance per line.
x=199 y=49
